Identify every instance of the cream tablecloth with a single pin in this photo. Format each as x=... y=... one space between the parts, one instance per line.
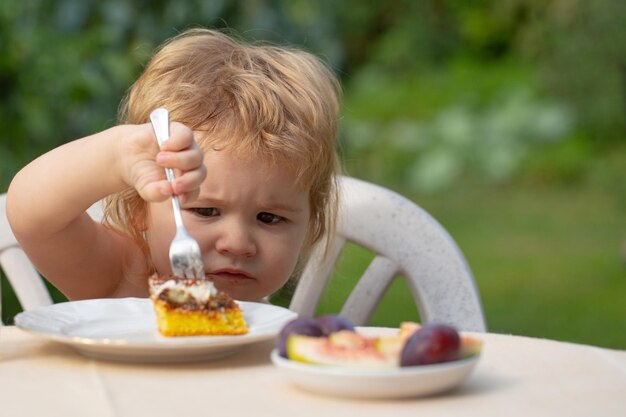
x=517 y=376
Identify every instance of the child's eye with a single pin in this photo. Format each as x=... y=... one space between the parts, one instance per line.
x=206 y=211
x=269 y=218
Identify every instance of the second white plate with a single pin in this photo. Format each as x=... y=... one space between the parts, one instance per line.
x=376 y=383
x=125 y=330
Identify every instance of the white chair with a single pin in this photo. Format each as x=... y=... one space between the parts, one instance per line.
x=28 y=285
x=23 y=277
x=407 y=241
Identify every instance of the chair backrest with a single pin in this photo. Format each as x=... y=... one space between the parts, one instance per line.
x=406 y=241
x=28 y=285
x=23 y=277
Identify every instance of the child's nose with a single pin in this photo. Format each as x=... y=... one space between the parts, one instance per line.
x=235 y=240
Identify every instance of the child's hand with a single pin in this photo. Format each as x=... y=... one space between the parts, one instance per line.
x=143 y=163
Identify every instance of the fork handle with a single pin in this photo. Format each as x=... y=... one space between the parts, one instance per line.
x=178 y=217
x=160 y=119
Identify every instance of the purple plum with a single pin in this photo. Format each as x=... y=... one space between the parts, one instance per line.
x=331 y=323
x=433 y=343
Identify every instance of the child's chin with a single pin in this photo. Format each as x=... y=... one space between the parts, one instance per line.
x=237 y=289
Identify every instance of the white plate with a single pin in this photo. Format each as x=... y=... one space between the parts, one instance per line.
x=414 y=381
x=124 y=329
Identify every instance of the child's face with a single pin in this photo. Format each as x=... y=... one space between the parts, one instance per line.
x=250 y=220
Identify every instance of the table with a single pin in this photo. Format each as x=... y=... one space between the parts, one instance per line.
x=517 y=376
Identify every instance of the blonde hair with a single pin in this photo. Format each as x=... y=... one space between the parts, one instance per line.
x=255 y=99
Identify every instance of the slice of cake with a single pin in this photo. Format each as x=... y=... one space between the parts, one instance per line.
x=193 y=307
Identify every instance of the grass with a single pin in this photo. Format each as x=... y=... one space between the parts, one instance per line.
x=547 y=262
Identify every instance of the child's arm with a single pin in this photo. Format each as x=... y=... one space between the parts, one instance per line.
x=47 y=200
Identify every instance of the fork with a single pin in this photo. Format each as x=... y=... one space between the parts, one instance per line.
x=185 y=255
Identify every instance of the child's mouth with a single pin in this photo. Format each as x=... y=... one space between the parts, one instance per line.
x=229 y=274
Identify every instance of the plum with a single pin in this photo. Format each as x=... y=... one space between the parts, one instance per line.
x=433 y=343
x=306 y=326
x=331 y=323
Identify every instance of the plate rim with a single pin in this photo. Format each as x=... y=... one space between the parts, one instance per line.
x=376 y=383
x=161 y=342
x=374 y=372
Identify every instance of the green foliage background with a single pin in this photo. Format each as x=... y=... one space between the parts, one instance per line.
x=493 y=115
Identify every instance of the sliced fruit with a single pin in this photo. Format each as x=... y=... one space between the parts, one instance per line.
x=349 y=340
x=407 y=328
x=331 y=340
x=470 y=346
x=322 y=351
x=391 y=345
x=301 y=325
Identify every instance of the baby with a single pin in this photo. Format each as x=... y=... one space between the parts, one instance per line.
x=253 y=142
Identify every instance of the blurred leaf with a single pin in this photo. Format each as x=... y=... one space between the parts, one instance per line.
x=434 y=171
x=484 y=121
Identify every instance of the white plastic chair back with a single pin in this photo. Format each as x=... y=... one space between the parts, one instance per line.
x=28 y=285
x=407 y=241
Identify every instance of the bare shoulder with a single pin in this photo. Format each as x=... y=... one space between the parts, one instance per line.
x=90 y=260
